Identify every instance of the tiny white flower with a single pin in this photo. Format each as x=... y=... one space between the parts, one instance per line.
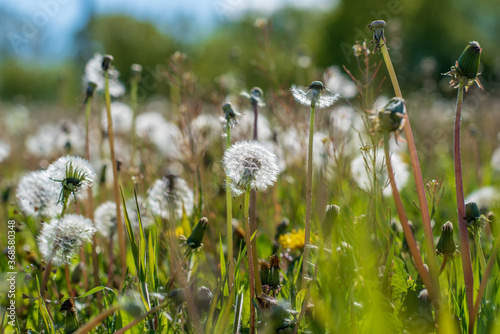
x=250 y=163
x=170 y=195
x=94 y=73
x=121 y=114
x=34 y=196
x=60 y=239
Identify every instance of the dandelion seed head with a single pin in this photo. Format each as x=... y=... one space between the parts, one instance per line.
x=122 y=116
x=94 y=73
x=315 y=95
x=34 y=196
x=485 y=198
x=244 y=130
x=70 y=174
x=169 y=195
x=250 y=163
x=4 y=150
x=60 y=239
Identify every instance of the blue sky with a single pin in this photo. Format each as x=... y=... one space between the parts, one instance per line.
x=46 y=26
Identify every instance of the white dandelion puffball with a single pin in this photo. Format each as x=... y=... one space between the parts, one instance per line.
x=338 y=82
x=61 y=138
x=206 y=127
x=148 y=123
x=485 y=197
x=4 y=150
x=105 y=217
x=244 y=130
x=122 y=116
x=34 y=196
x=250 y=163
x=95 y=74
x=363 y=175
x=60 y=176
x=495 y=160
x=315 y=95
x=60 y=239
x=169 y=195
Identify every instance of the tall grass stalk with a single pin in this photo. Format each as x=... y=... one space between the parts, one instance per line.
x=419 y=182
x=119 y=223
x=307 y=229
x=462 y=222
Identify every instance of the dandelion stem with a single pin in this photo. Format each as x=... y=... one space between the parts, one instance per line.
x=90 y=201
x=133 y=104
x=68 y=280
x=253 y=208
x=229 y=217
x=410 y=239
x=111 y=138
x=462 y=223
x=46 y=277
x=419 y=182
x=251 y=275
x=307 y=230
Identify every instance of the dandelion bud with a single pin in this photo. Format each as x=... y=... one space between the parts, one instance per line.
x=274 y=271
x=69 y=310
x=136 y=71
x=231 y=116
x=446 y=244
x=106 y=62
x=203 y=298
x=347 y=263
x=468 y=62
x=332 y=212
x=472 y=212
x=91 y=86
x=196 y=237
x=391 y=117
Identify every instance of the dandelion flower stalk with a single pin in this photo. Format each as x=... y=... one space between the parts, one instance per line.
x=464 y=74
x=316 y=95
x=229 y=115
x=134 y=83
x=251 y=269
x=106 y=64
x=379 y=38
x=90 y=203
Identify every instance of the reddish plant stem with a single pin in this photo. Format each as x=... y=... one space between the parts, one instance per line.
x=462 y=223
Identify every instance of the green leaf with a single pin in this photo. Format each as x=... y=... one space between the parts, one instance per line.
x=95 y=290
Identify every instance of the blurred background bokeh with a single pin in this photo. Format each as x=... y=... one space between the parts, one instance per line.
x=45 y=44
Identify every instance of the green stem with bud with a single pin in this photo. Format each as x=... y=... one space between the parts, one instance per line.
x=419 y=182
x=229 y=217
x=462 y=222
x=251 y=269
x=111 y=138
x=410 y=239
x=307 y=228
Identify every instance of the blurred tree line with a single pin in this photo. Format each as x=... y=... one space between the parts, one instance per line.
x=291 y=46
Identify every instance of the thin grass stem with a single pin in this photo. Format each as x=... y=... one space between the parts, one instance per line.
x=229 y=218
x=248 y=241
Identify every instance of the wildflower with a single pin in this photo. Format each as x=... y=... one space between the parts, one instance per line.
x=244 y=130
x=70 y=175
x=121 y=114
x=4 y=150
x=338 y=82
x=332 y=213
x=446 y=244
x=255 y=96
x=347 y=263
x=466 y=67
x=316 y=95
x=136 y=70
x=60 y=239
x=472 y=213
x=34 y=196
x=292 y=240
x=61 y=138
x=165 y=136
x=206 y=128
x=231 y=116
x=170 y=195
x=378 y=33
x=250 y=164
x=94 y=73
x=89 y=92
x=342 y=119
